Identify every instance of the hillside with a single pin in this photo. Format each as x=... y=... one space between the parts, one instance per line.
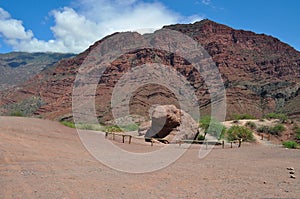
x=17 y=67
x=260 y=74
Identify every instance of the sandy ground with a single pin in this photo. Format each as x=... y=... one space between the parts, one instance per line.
x=43 y=159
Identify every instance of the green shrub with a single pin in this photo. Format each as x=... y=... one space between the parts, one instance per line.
x=280 y=116
x=277 y=129
x=68 y=124
x=245 y=116
x=130 y=127
x=201 y=137
x=113 y=128
x=251 y=125
x=263 y=129
x=239 y=132
x=290 y=144
x=122 y=128
x=94 y=127
x=212 y=127
x=17 y=114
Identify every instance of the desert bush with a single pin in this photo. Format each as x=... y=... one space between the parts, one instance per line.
x=263 y=129
x=130 y=127
x=245 y=116
x=277 y=129
x=26 y=107
x=280 y=116
x=94 y=127
x=113 y=128
x=239 y=132
x=290 y=144
x=17 y=114
x=251 y=125
x=201 y=137
x=212 y=127
x=274 y=130
x=68 y=124
x=122 y=128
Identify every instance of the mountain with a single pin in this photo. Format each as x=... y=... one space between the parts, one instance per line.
x=260 y=74
x=17 y=67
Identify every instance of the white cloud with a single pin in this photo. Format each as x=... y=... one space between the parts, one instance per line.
x=13 y=29
x=206 y=2
x=88 y=21
x=4 y=14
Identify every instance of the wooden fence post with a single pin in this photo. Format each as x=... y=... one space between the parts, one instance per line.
x=223 y=143
x=129 y=139
x=113 y=136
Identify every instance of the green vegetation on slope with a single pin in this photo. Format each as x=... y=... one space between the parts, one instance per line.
x=290 y=144
x=212 y=126
x=282 y=117
x=239 y=132
x=97 y=127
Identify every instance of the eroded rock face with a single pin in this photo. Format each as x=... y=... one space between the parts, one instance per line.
x=144 y=128
x=260 y=75
x=171 y=123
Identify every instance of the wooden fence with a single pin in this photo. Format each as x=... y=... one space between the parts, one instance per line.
x=179 y=142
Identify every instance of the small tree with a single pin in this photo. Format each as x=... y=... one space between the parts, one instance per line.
x=212 y=126
x=239 y=132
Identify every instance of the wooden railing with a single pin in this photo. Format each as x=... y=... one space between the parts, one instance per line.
x=180 y=142
x=119 y=134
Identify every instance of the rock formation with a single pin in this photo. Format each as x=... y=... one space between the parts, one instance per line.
x=172 y=124
x=260 y=74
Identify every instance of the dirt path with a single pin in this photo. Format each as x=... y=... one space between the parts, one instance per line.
x=43 y=159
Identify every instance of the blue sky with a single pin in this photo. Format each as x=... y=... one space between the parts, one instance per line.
x=73 y=25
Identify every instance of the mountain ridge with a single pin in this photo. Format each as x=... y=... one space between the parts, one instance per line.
x=17 y=67
x=260 y=74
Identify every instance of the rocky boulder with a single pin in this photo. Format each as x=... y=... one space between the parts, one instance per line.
x=144 y=128
x=171 y=123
